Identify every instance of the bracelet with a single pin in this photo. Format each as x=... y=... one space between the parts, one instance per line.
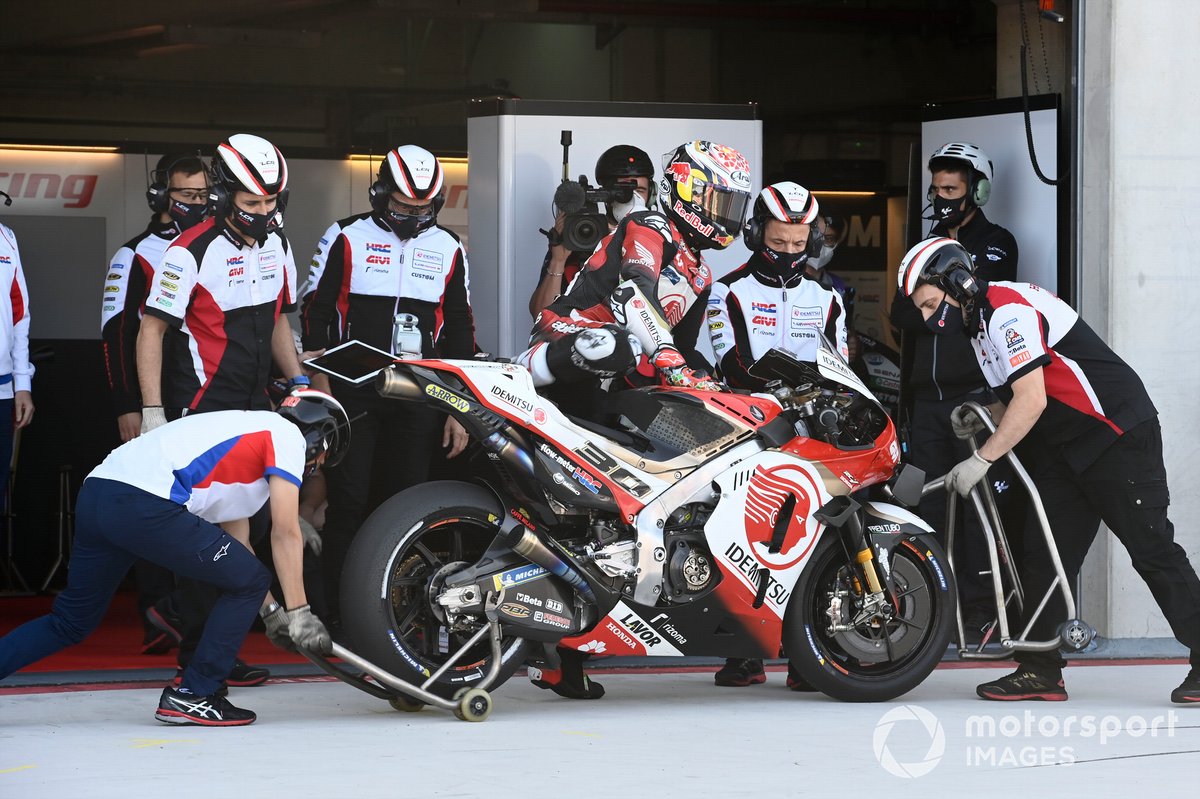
x=555 y=274
x=144 y=407
x=299 y=380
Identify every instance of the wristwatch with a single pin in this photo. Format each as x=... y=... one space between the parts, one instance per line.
x=269 y=608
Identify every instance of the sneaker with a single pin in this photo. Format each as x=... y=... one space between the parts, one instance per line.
x=1188 y=691
x=795 y=682
x=156 y=642
x=243 y=675
x=1023 y=684
x=184 y=707
x=976 y=624
x=740 y=672
x=162 y=617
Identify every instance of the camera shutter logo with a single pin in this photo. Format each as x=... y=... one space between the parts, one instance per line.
x=933 y=729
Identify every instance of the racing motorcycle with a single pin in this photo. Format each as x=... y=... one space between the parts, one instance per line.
x=692 y=523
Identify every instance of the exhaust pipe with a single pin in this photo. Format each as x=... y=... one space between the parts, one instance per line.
x=521 y=540
x=392 y=382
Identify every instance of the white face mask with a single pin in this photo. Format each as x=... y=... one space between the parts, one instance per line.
x=621 y=210
x=822 y=259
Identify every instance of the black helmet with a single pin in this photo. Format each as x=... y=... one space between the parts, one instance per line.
x=322 y=420
x=623 y=161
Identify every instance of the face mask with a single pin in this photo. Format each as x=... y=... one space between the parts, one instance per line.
x=785 y=261
x=824 y=258
x=256 y=226
x=949 y=212
x=405 y=226
x=946 y=319
x=185 y=215
x=621 y=210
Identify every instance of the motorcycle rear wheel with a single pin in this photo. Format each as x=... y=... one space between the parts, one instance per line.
x=384 y=593
x=875 y=661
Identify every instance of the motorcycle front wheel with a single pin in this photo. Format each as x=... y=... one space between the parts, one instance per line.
x=420 y=533
x=857 y=657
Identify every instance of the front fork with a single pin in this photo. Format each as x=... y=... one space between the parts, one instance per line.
x=870 y=559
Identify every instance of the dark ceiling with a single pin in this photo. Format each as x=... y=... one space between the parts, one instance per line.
x=327 y=77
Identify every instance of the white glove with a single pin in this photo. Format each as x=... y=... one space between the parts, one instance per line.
x=153 y=417
x=312 y=539
x=965 y=423
x=308 y=632
x=966 y=474
x=276 y=623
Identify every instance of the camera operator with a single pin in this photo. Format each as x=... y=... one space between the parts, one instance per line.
x=621 y=165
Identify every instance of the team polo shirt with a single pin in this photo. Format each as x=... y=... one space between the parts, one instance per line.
x=130 y=273
x=1092 y=395
x=225 y=295
x=214 y=464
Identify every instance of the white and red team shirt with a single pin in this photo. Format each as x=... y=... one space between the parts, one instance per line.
x=1092 y=395
x=214 y=464
x=753 y=310
x=363 y=274
x=16 y=372
x=130 y=275
x=226 y=296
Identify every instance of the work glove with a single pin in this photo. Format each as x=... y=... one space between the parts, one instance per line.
x=152 y=417
x=276 y=623
x=674 y=371
x=966 y=474
x=308 y=632
x=965 y=423
x=312 y=539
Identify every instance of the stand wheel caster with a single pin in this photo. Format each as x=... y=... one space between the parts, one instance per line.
x=1076 y=634
x=406 y=704
x=474 y=704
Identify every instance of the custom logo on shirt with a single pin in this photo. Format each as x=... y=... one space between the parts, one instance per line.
x=427 y=260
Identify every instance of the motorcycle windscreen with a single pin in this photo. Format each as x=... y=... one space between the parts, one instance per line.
x=783 y=364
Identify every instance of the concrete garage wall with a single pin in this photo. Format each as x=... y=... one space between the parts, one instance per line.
x=1140 y=76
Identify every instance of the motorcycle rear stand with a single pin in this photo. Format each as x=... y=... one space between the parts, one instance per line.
x=1074 y=634
x=468 y=704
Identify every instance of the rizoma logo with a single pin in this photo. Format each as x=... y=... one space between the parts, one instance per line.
x=76 y=189
x=374 y=247
x=762 y=307
x=448 y=397
x=382 y=260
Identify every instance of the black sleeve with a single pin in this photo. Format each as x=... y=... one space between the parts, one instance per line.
x=736 y=363
x=320 y=307
x=120 y=340
x=458 y=328
x=688 y=331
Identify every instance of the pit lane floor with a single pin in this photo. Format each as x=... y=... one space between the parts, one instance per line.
x=661 y=733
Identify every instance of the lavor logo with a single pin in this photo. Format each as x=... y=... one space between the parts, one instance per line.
x=448 y=397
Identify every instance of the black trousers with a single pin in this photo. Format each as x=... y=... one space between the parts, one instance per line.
x=1126 y=488
x=390 y=450
x=935 y=449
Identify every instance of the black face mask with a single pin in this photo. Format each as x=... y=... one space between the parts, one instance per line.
x=186 y=215
x=950 y=213
x=256 y=226
x=405 y=226
x=785 y=262
x=946 y=319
